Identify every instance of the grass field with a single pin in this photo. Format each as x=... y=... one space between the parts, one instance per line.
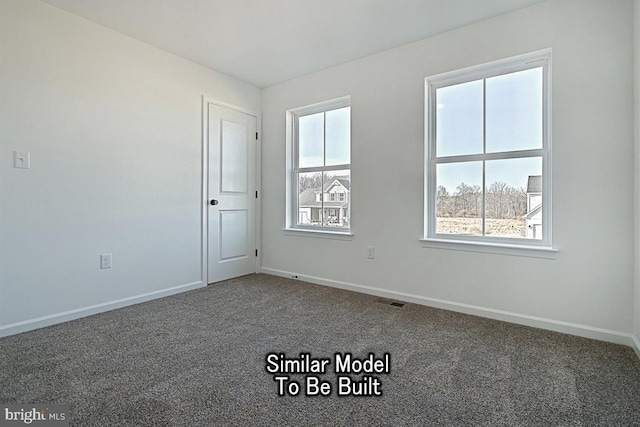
x=494 y=227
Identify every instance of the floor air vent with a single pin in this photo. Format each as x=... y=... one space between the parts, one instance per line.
x=390 y=302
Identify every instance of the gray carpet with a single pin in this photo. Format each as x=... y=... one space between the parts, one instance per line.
x=198 y=359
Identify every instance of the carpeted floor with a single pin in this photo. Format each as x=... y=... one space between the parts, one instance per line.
x=198 y=359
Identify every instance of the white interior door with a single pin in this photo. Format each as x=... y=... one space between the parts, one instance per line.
x=232 y=193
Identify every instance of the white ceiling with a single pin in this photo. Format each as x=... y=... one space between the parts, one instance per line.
x=264 y=42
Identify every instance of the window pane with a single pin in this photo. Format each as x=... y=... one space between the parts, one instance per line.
x=309 y=198
x=514 y=111
x=459 y=119
x=311 y=140
x=514 y=198
x=336 y=211
x=338 y=136
x=459 y=198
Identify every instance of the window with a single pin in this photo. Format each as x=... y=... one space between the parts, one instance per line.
x=320 y=164
x=488 y=154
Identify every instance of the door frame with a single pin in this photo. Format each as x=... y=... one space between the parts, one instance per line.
x=204 y=208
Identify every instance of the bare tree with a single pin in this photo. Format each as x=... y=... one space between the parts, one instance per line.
x=443 y=202
x=497 y=202
x=501 y=201
x=306 y=181
x=517 y=201
x=468 y=200
x=475 y=196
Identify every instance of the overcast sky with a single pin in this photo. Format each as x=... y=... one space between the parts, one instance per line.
x=513 y=122
x=311 y=130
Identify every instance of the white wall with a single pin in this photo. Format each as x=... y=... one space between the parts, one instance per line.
x=114 y=131
x=589 y=286
x=636 y=117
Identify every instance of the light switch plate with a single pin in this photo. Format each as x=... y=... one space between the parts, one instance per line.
x=371 y=252
x=21 y=160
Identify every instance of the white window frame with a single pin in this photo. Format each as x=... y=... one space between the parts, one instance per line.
x=291 y=220
x=481 y=243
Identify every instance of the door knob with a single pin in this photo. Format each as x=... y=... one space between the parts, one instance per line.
x=214 y=202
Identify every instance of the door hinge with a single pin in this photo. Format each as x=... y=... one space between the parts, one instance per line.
x=256 y=194
x=256 y=252
x=256 y=135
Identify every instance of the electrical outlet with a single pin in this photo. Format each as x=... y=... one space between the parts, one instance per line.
x=105 y=261
x=371 y=252
x=21 y=160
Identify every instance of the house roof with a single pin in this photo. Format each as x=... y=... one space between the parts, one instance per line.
x=307 y=199
x=533 y=212
x=343 y=180
x=534 y=185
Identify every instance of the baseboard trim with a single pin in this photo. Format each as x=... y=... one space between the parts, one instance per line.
x=53 y=319
x=635 y=344
x=585 y=331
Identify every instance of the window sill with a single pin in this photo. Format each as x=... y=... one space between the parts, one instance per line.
x=322 y=234
x=492 y=248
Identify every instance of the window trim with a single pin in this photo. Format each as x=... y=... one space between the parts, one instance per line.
x=291 y=211
x=541 y=58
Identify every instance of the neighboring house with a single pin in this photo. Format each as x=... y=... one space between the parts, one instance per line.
x=335 y=195
x=533 y=217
